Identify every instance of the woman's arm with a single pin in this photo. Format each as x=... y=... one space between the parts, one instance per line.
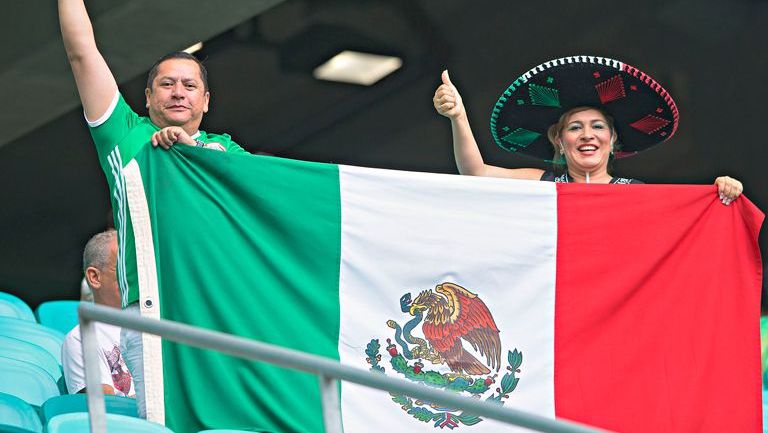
x=469 y=161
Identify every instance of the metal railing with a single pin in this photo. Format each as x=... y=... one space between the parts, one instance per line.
x=329 y=371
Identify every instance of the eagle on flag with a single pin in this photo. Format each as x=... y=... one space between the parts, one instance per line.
x=454 y=313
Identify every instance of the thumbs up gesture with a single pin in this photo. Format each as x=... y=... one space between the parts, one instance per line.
x=447 y=99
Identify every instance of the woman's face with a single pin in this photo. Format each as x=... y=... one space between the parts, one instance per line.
x=587 y=141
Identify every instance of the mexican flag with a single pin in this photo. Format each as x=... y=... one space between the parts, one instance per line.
x=633 y=308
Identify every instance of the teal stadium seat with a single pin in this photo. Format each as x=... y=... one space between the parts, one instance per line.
x=17 y=415
x=47 y=338
x=23 y=351
x=78 y=423
x=59 y=315
x=13 y=429
x=765 y=410
x=26 y=381
x=72 y=403
x=12 y=306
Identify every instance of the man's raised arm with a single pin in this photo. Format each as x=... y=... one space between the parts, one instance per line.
x=95 y=82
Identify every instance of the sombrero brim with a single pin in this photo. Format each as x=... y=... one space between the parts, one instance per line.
x=644 y=113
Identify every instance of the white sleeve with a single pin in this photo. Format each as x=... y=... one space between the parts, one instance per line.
x=72 y=361
x=107 y=114
x=73 y=365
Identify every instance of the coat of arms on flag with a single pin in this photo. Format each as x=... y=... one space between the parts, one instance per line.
x=450 y=317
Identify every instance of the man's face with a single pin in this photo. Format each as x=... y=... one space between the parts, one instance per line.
x=178 y=96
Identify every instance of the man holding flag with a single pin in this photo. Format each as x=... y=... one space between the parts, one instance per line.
x=177 y=97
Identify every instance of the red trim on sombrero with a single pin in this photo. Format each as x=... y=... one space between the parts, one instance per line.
x=653 y=84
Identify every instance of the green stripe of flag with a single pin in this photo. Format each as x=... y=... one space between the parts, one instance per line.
x=260 y=231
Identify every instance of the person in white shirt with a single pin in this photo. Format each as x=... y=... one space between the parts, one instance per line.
x=99 y=266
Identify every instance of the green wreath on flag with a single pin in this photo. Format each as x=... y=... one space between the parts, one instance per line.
x=459 y=383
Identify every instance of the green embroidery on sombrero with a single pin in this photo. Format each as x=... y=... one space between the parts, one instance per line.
x=499 y=105
x=545 y=96
x=518 y=139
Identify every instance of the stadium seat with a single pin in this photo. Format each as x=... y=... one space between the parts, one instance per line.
x=78 y=423
x=17 y=414
x=13 y=429
x=59 y=315
x=23 y=351
x=765 y=410
x=72 y=403
x=26 y=381
x=49 y=339
x=12 y=306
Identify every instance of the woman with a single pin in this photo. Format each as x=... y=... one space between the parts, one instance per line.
x=577 y=109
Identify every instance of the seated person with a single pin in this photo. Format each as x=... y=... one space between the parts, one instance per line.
x=99 y=266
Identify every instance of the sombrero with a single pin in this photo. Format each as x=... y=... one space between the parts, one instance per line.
x=644 y=113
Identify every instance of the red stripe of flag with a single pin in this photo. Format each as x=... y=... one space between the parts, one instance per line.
x=657 y=309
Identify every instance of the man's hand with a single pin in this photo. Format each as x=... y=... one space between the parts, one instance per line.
x=170 y=135
x=728 y=188
x=447 y=100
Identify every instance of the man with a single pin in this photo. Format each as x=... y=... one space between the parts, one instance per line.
x=100 y=269
x=177 y=97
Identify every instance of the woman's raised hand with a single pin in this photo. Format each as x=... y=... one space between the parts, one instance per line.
x=447 y=100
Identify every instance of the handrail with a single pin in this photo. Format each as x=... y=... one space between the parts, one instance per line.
x=330 y=371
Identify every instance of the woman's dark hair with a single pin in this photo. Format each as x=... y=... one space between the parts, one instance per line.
x=177 y=55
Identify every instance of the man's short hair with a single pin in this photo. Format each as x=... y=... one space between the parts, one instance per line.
x=96 y=251
x=177 y=55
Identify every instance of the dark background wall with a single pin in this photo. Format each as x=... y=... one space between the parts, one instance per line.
x=710 y=55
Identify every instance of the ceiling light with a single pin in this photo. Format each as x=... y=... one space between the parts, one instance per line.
x=194 y=48
x=357 y=68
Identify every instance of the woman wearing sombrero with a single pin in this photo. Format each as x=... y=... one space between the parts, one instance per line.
x=577 y=112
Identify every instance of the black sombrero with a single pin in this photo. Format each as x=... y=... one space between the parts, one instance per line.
x=644 y=113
